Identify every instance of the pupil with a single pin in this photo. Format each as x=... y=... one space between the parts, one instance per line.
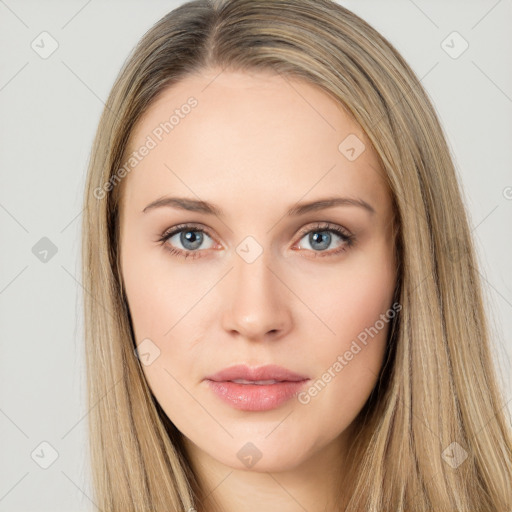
x=314 y=238
x=191 y=237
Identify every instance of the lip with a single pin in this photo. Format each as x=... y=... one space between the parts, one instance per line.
x=256 y=397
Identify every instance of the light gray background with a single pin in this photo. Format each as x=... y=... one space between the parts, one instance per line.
x=49 y=112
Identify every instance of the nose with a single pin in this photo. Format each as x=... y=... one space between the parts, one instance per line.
x=257 y=302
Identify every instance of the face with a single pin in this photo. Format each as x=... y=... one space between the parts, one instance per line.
x=239 y=271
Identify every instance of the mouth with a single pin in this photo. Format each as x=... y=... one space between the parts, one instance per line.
x=256 y=389
x=257 y=382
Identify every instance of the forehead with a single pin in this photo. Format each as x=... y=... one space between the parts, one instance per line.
x=232 y=131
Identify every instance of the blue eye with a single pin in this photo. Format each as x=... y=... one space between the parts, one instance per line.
x=192 y=237
x=321 y=238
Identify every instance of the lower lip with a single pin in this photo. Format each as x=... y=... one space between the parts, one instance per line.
x=254 y=397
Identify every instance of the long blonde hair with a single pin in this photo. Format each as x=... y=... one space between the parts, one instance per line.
x=438 y=397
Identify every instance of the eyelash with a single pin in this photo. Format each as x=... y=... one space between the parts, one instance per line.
x=347 y=238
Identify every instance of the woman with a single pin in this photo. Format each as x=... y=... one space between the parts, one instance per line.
x=284 y=310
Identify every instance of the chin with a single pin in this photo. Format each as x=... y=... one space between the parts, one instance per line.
x=257 y=454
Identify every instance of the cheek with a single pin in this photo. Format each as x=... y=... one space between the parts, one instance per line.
x=350 y=298
x=161 y=299
x=357 y=308
x=166 y=306
x=160 y=293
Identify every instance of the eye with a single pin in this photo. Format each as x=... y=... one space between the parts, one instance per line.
x=321 y=238
x=190 y=237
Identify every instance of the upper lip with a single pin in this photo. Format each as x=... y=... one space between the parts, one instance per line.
x=267 y=372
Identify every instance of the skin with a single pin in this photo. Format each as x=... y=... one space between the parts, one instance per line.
x=255 y=145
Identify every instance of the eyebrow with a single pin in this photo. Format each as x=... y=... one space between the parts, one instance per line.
x=195 y=205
